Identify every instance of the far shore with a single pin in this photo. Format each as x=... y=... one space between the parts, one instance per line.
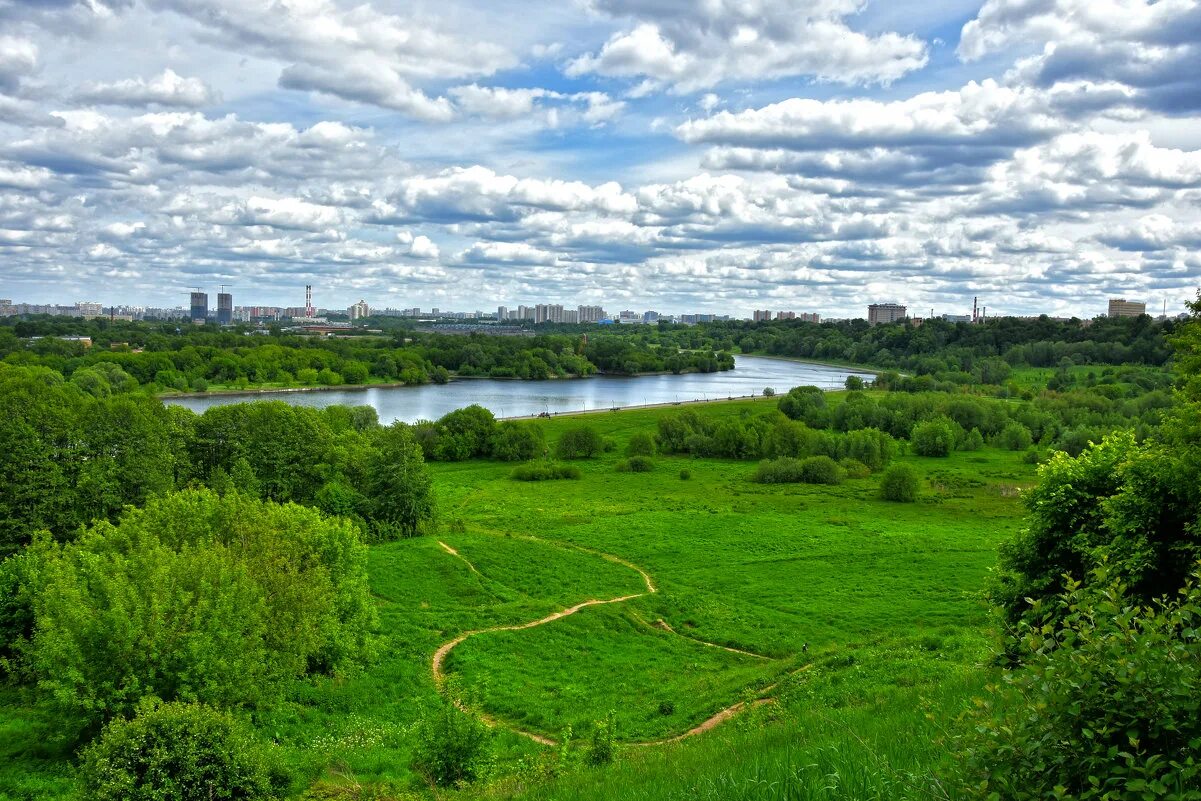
x=665 y=404
x=249 y=391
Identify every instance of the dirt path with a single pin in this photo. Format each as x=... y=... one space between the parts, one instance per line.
x=663 y=625
x=439 y=659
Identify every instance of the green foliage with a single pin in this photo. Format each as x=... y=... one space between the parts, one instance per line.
x=807 y=404
x=854 y=468
x=935 y=437
x=602 y=746
x=544 y=471
x=464 y=434
x=398 y=494
x=517 y=442
x=1105 y=706
x=636 y=464
x=196 y=597
x=1014 y=436
x=581 y=442
x=177 y=752
x=641 y=443
x=786 y=470
x=453 y=746
x=900 y=483
x=685 y=474
x=854 y=383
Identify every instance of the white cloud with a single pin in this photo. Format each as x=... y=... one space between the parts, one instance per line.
x=18 y=59
x=690 y=45
x=165 y=89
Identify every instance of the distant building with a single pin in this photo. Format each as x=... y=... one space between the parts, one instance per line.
x=225 y=308
x=87 y=310
x=808 y=317
x=199 y=307
x=650 y=317
x=878 y=313
x=1120 y=307
x=591 y=314
x=358 y=310
x=761 y=316
x=502 y=313
x=957 y=318
x=785 y=315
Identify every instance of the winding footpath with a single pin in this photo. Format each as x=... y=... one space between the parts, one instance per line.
x=439 y=659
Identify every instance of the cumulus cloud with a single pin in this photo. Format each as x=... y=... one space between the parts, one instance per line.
x=689 y=46
x=18 y=59
x=1153 y=48
x=165 y=89
x=359 y=54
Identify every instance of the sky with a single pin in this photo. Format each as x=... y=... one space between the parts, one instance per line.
x=679 y=155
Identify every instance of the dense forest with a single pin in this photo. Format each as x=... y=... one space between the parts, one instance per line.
x=166 y=357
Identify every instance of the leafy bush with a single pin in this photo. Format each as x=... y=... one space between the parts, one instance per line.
x=454 y=746
x=685 y=474
x=602 y=747
x=899 y=483
x=821 y=470
x=579 y=443
x=641 y=444
x=517 y=442
x=854 y=468
x=177 y=751
x=636 y=464
x=935 y=437
x=196 y=597
x=398 y=495
x=814 y=470
x=1105 y=706
x=854 y=383
x=1014 y=437
x=544 y=471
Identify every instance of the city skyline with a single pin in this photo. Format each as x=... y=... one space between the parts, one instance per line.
x=724 y=155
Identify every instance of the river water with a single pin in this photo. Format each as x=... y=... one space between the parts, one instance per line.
x=508 y=398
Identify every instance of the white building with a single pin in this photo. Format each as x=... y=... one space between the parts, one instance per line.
x=878 y=313
x=358 y=310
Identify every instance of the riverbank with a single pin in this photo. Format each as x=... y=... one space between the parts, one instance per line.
x=582 y=412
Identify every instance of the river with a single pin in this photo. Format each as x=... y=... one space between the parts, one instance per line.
x=508 y=398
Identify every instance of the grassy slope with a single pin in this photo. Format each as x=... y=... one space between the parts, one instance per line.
x=882 y=593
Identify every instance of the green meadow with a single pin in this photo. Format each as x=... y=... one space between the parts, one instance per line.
x=850 y=630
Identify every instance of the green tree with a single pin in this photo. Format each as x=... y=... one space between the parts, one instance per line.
x=935 y=437
x=196 y=597
x=516 y=442
x=581 y=442
x=1104 y=707
x=641 y=443
x=177 y=751
x=398 y=491
x=900 y=483
x=453 y=747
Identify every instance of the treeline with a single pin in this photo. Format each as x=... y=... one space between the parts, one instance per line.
x=162 y=357
x=938 y=347
x=71 y=456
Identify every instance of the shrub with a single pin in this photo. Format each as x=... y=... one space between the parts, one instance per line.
x=636 y=464
x=187 y=752
x=855 y=469
x=641 y=444
x=821 y=470
x=935 y=437
x=453 y=746
x=602 y=747
x=517 y=442
x=972 y=441
x=854 y=383
x=1105 y=706
x=196 y=597
x=685 y=474
x=544 y=471
x=814 y=470
x=579 y=443
x=899 y=483
x=1014 y=437
x=768 y=392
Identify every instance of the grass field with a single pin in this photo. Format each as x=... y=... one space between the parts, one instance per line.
x=860 y=621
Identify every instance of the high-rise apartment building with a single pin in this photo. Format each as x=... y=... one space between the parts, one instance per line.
x=591 y=314
x=786 y=315
x=810 y=318
x=1120 y=307
x=878 y=313
x=761 y=316
x=502 y=313
x=199 y=307
x=359 y=310
x=225 y=308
